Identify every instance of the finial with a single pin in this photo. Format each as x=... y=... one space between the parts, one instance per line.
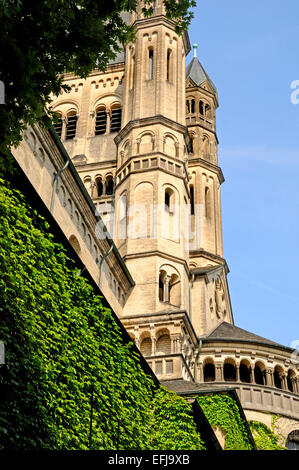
x=195 y=46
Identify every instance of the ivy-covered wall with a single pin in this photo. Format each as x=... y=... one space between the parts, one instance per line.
x=64 y=352
x=222 y=411
x=265 y=437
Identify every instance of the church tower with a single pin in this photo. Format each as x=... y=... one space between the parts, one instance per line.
x=152 y=193
x=142 y=136
x=210 y=296
x=151 y=176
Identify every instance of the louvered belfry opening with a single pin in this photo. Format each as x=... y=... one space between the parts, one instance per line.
x=115 y=124
x=101 y=121
x=71 y=125
x=58 y=126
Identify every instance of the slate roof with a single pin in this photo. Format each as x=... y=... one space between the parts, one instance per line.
x=185 y=386
x=120 y=57
x=228 y=331
x=198 y=74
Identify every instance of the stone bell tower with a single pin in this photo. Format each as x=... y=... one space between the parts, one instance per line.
x=152 y=189
x=210 y=295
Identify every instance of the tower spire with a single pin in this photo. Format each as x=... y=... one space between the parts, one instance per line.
x=195 y=46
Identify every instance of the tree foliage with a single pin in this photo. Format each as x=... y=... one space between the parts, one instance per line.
x=40 y=40
x=65 y=355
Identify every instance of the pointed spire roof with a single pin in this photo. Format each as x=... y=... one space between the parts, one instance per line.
x=197 y=73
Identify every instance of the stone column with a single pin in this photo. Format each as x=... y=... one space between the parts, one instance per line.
x=219 y=372
x=269 y=378
x=238 y=373
x=284 y=382
x=166 y=288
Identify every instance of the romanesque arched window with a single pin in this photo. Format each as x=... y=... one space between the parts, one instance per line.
x=163 y=344
x=209 y=372
x=150 y=64
x=169 y=66
x=75 y=243
x=292 y=442
x=291 y=375
x=192 y=199
x=259 y=373
x=229 y=371
x=109 y=185
x=99 y=186
x=245 y=372
x=101 y=120
x=207 y=203
x=201 y=108
x=278 y=377
x=169 y=286
x=146 y=347
x=122 y=217
x=58 y=125
x=115 y=123
x=192 y=107
x=71 y=125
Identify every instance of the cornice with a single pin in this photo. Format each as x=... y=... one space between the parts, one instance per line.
x=153 y=120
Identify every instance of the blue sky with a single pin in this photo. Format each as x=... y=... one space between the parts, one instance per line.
x=250 y=50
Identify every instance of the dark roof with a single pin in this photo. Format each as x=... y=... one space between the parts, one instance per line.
x=120 y=57
x=198 y=74
x=227 y=331
x=185 y=386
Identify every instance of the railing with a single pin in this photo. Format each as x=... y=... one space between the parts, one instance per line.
x=263 y=398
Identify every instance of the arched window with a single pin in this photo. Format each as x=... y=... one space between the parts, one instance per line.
x=109 y=185
x=115 y=123
x=101 y=121
x=192 y=106
x=75 y=243
x=122 y=217
x=293 y=440
x=209 y=372
x=207 y=203
x=161 y=288
x=175 y=290
x=71 y=125
x=277 y=377
x=201 y=108
x=291 y=375
x=169 y=200
x=87 y=184
x=99 y=186
x=146 y=347
x=163 y=345
x=192 y=198
x=169 y=66
x=245 y=372
x=188 y=108
x=169 y=286
x=150 y=64
x=229 y=371
x=259 y=373
x=58 y=125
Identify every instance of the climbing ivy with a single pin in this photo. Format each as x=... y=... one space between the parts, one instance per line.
x=222 y=411
x=265 y=437
x=169 y=410
x=65 y=354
